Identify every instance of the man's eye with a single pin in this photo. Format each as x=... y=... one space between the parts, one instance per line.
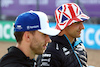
x=78 y=22
x=44 y=34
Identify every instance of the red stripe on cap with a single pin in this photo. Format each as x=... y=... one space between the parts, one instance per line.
x=57 y=27
x=64 y=8
x=59 y=13
x=56 y=17
x=71 y=11
x=64 y=11
x=76 y=9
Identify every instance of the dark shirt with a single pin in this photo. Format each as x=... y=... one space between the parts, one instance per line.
x=16 y=58
x=61 y=53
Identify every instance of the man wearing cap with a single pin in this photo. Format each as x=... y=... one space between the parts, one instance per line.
x=66 y=50
x=31 y=31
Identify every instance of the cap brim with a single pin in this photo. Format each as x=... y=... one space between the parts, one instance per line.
x=50 y=31
x=83 y=17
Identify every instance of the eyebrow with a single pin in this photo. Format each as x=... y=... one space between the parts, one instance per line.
x=44 y=34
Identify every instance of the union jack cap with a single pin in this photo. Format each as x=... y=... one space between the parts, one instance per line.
x=67 y=14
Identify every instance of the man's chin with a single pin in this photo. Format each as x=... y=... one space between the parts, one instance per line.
x=78 y=36
x=41 y=52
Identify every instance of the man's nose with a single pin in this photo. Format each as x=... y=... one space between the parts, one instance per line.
x=48 y=40
x=82 y=26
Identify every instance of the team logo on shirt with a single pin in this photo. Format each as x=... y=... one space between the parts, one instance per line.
x=66 y=51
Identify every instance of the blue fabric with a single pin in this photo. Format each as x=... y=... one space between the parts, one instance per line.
x=77 y=42
x=27 y=21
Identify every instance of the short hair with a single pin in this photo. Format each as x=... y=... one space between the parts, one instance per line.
x=19 y=35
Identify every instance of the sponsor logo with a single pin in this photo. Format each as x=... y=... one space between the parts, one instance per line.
x=31 y=27
x=18 y=27
x=65 y=50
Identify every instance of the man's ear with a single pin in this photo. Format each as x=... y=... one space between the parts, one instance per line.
x=26 y=36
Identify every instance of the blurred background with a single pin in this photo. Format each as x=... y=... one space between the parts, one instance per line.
x=10 y=9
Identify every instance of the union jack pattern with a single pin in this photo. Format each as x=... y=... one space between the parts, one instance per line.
x=67 y=14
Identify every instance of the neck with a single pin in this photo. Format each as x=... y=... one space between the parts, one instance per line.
x=70 y=39
x=26 y=50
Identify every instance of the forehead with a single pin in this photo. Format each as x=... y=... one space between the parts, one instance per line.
x=79 y=21
x=76 y=23
x=37 y=32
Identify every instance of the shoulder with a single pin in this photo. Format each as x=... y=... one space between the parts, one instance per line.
x=80 y=47
x=78 y=44
x=54 y=48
